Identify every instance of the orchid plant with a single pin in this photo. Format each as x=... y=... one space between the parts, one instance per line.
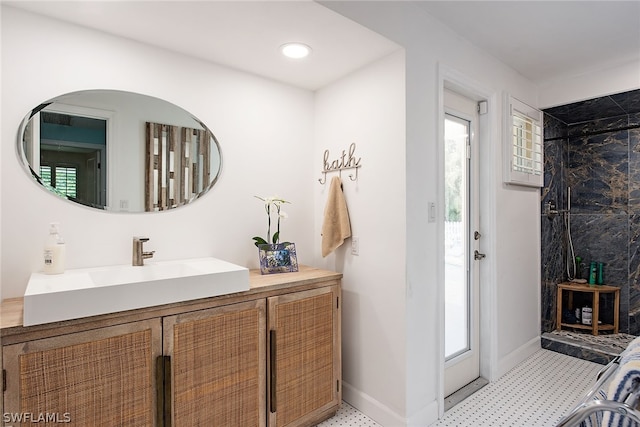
x=270 y=203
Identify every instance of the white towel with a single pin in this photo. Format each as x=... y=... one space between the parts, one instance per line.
x=632 y=352
x=621 y=385
x=595 y=420
x=336 y=226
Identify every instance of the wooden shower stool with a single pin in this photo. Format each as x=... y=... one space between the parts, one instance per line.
x=595 y=291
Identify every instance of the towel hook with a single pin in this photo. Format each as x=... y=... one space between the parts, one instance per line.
x=323 y=180
x=351 y=175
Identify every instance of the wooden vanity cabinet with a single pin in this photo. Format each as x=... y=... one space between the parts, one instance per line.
x=217 y=369
x=304 y=357
x=103 y=377
x=270 y=356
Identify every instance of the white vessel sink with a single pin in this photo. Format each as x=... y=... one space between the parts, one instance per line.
x=92 y=291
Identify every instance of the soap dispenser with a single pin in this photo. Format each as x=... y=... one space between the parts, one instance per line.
x=54 y=251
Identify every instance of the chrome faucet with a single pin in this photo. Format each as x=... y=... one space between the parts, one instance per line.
x=138 y=254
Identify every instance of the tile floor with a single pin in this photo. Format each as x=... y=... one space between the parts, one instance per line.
x=536 y=393
x=349 y=416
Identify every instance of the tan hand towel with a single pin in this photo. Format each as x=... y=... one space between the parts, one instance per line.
x=336 y=226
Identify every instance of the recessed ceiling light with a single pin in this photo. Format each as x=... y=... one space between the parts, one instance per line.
x=295 y=50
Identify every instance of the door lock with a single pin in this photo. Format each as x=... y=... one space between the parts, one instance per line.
x=476 y=235
x=477 y=255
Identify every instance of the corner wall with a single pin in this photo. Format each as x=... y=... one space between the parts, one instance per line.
x=514 y=261
x=368 y=108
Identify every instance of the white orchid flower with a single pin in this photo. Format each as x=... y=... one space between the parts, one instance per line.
x=277 y=202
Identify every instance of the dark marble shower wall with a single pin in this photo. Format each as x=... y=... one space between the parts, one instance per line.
x=599 y=159
x=553 y=241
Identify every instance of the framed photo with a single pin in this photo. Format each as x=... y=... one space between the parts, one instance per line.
x=278 y=258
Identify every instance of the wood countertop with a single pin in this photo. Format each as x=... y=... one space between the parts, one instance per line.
x=260 y=286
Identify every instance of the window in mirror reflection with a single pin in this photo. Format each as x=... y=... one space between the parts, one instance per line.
x=63 y=179
x=73 y=155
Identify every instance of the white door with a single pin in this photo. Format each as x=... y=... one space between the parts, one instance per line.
x=462 y=237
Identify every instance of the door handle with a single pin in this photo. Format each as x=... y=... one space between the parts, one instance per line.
x=477 y=255
x=163 y=390
x=272 y=369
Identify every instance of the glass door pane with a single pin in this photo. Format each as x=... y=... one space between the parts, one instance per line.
x=456 y=180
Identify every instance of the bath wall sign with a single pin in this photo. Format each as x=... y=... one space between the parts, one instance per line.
x=344 y=161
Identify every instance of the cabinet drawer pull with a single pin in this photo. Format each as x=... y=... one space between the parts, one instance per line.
x=272 y=370
x=163 y=390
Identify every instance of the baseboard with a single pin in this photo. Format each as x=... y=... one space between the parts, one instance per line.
x=372 y=408
x=425 y=417
x=517 y=356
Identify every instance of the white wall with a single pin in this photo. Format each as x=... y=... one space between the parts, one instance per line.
x=368 y=108
x=588 y=85
x=265 y=130
x=513 y=252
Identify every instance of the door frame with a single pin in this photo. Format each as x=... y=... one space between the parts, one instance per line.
x=107 y=178
x=458 y=82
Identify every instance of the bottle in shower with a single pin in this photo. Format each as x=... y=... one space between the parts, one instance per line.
x=600 y=276
x=592 y=273
x=578 y=271
x=586 y=317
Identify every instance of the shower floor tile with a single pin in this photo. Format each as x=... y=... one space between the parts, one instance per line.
x=536 y=393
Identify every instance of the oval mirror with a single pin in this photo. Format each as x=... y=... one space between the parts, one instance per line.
x=119 y=151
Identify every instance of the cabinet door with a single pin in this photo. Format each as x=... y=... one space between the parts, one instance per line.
x=217 y=366
x=103 y=377
x=304 y=357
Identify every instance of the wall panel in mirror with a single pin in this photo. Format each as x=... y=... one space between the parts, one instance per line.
x=119 y=151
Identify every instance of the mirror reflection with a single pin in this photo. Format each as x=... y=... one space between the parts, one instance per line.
x=119 y=151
